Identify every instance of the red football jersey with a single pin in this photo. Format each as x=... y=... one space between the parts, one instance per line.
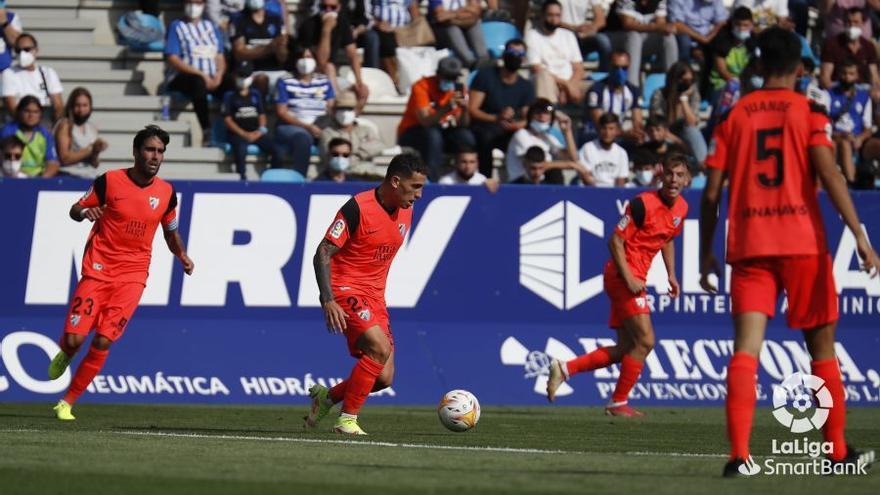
x=763 y=145
x=646 y=226
x=369 y=238
x=120 y=244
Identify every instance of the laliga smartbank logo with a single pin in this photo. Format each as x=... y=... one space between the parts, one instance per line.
x=802 y=403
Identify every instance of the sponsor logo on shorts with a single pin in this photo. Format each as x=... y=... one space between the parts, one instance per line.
x=337 y=229
x=97 y=266
x=624 y=221
x=154 y=202
x=365 y=315
x=74 y=320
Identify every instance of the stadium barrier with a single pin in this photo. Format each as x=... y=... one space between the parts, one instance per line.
x=485 y=290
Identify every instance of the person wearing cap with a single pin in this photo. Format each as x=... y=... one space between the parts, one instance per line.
x=364 y=140
x=337 y=162
x=437 y=116
x=260 y=38
x=499 y=100
x=245 y=120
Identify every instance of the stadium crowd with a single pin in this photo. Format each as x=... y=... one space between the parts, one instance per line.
x=586 y=92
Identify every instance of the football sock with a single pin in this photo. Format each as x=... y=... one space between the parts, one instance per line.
x=88 y=369
x=630 y=369
x=829 y=371
x=337 y=392
x=360 y=384
x=599 y=358
x=741 y=397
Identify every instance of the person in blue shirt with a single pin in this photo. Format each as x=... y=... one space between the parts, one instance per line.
x=39 y=158
x=851 y=117
x=10 y=28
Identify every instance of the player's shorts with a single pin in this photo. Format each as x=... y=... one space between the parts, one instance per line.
x=624 y=304
x=362 y=313
x=105 y=306
x=808 y=282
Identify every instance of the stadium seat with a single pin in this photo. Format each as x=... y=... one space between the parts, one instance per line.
x=377 y=80
x=598 y=76
x=282 y=175
x=652 y=83
x=497 y=34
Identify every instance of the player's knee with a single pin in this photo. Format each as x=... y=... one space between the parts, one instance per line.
x=383 y=381
x=101 y=343
x=644 y=344
x=73 y=341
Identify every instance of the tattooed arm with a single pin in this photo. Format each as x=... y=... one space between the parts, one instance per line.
x=333 y=313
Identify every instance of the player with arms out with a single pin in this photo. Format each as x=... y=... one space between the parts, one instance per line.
x=351 y=266
x=651 y=221
x=126 y=206
x=771 y=146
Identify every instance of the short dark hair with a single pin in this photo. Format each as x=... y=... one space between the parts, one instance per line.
x=515 y=41
x=338 y=141
x=13 y=141
x=548 y=3
x=29 y=36
x=535 y=154
x=405 y=165
x=465 y=150
x=780 y=51
x=24 y=102
x=848 y=62
x=541 y=105
x=148 y=132
x=608 y=118
x=675 y=159
x=656 y=121
x=855 y=10
x=741 y=14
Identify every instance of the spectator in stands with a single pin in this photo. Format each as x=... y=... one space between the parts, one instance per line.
x=607 y=164
x=337 y=161
x=851 y=117
x=10 y=29
x=834 y=13
x=615 y=94
x=499 y=100
x=38 y=158
x=457 y=26
x=767 y=13
x=659 y=141
x=13 y=150
x=645 y=173
x=555 y=58
x=364 y=139
x=26 y=77
x=586 y=19
x=78 y=145
x=364 y=36
x=260 y=38
x=329 y=36
x=851 y=45
x=868 y=170
x=640 y=27
x=302 y=100
x=542 y=116
x=196 y=64
x=465 y=172
x=678 y=103
x=732 y=49
x=245 y=120
x=696 y=22
x=534 y=160
x=436 y=118
x=389 y=15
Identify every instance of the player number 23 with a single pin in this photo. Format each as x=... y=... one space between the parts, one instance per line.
x=764 y=152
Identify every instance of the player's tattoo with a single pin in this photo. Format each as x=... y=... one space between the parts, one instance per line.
x=325 y=251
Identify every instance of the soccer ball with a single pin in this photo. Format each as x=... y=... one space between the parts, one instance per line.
x=459 y=410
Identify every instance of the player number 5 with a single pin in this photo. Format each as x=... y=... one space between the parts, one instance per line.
x=765 y=153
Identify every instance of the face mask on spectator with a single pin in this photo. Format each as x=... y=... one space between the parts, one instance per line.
x=12 y=167
x=617 y=76
x=539 y=127
x=853 y=32
x=81 y=119
x=644 y=177
x=846 y=85
x=256 y=4
x=243 y=82
x=683 y=86
x=756 y=81
x=339 y=163
x=742 y=35
x=26 y=59
x=306 y=66
x=345 y=117
x=194 y=10
x=447 y=86
x=512 y=61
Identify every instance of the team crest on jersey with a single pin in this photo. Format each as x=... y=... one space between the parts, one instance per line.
x=74 y=320
x=97 y=266
x=154 y=202
x=365 y=315
x=676 y=221
x=402 y=228
x=624 y=221
x=337 y=229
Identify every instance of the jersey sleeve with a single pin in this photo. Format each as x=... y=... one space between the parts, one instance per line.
x=820 y=127
x=96 y=195
x=717 y=157
x=169 y=220
x=632 y=220
x=345 y=224
x=172 y=45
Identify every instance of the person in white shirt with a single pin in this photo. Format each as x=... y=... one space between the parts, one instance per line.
x=574 y=17
x=555 y=58
x=606 y=163
x=466 y=173
x=26 y=77
x=541 y=117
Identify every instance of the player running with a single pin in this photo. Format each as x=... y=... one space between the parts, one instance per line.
x=351 y=265
x=771 y=146
x=651 y=221
x=126 y=207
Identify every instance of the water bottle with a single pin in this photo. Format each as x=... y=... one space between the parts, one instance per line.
x=165 y=101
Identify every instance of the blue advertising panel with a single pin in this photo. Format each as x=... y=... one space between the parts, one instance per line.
x=487 y=288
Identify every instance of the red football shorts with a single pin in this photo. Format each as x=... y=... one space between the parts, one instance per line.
x=105 y=306
x=624 y=304
x=362 y=313
x=808 y=282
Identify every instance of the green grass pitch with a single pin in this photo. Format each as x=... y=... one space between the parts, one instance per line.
x=169 y=450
